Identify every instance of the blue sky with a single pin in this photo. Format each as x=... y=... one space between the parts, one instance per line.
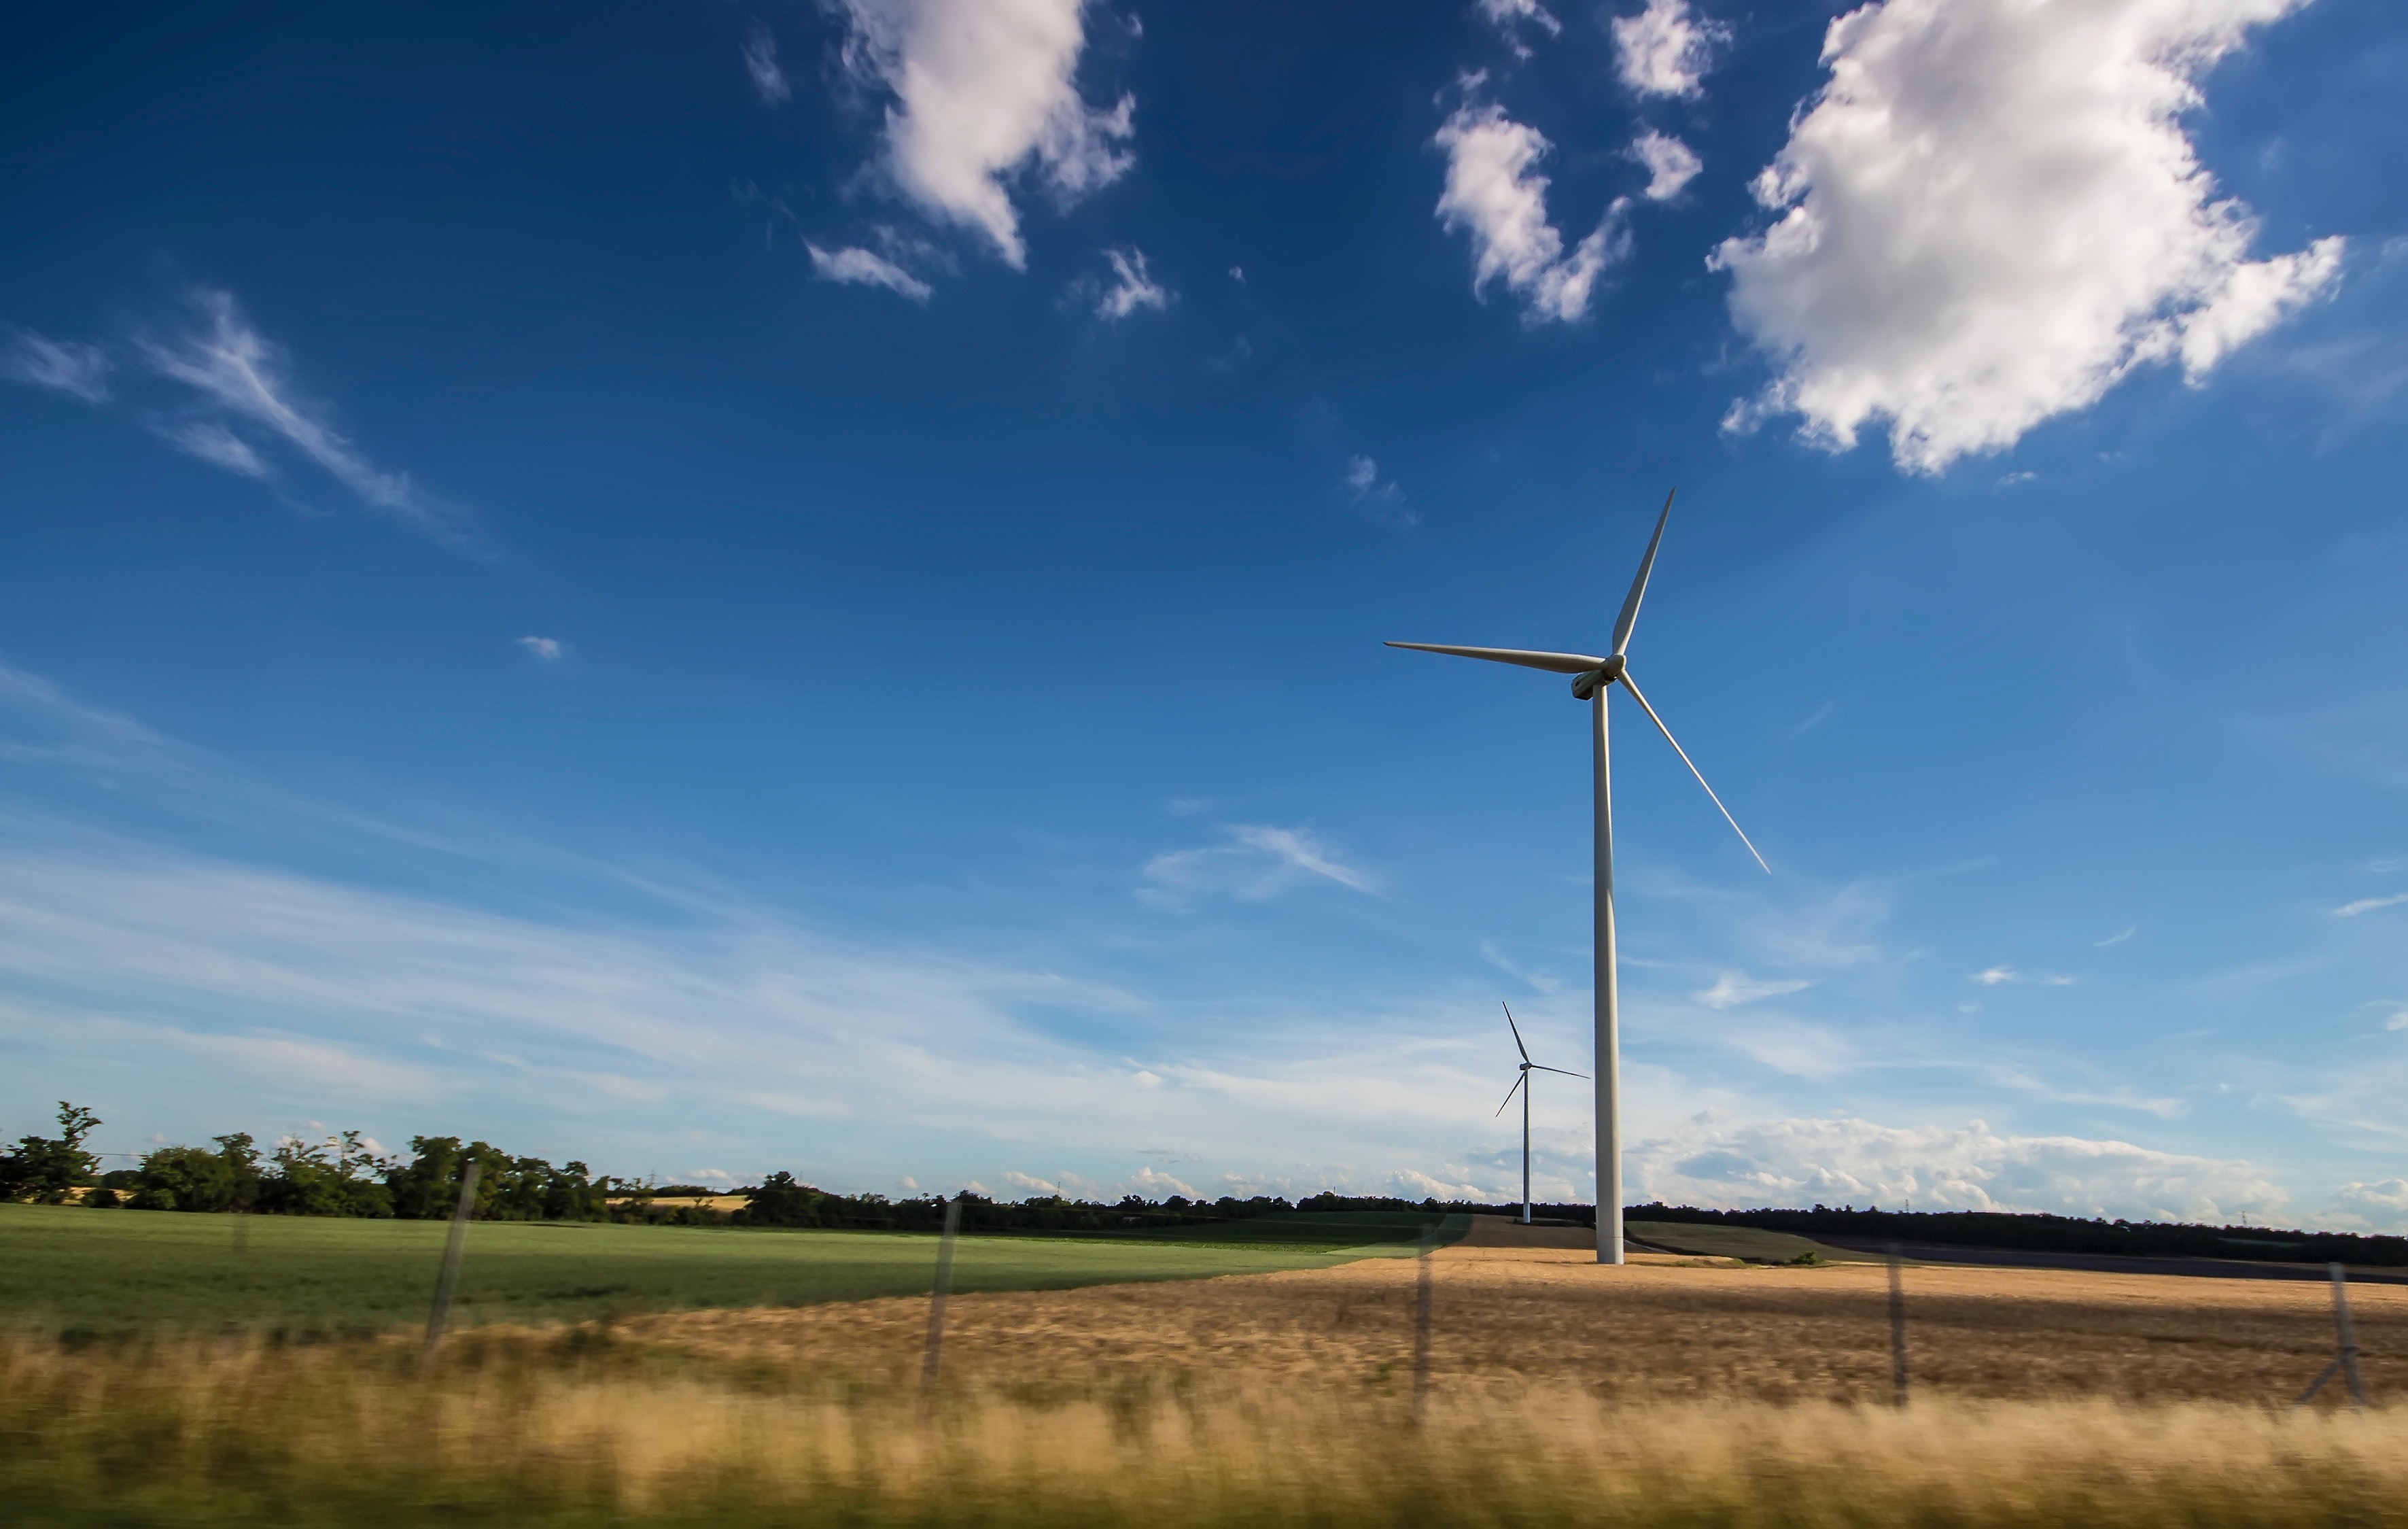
x=723 y=587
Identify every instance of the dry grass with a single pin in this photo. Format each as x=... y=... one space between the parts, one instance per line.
x=1658 y=1329
x=1663 y=1394
x=526 y=1431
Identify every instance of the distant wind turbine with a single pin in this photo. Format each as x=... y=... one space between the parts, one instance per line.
x=1591 y=678
x=1522 y=1081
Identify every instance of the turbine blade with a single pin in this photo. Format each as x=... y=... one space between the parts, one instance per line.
x=1536 y=1068
x=1519 y=1078
x=1629 y=616
x=1692 y=767
x=1517 y=1031
x=1555 y=663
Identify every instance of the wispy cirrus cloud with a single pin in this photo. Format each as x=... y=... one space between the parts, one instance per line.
x=1259 y=862
x=2370 y=904
x=549 y=649
x=858 y=266
x=63 y=365
x=1129 y=289
x=1733 y=989
x=761 y=68
x=1994 y=977
x=239 y=379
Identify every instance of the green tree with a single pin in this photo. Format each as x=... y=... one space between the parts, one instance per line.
x=196 y=1179
x=48 y=1169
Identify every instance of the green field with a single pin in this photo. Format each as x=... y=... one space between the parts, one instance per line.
x=1751 y=1242
x=70 y=1270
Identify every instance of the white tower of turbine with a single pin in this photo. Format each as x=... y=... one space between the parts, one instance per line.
x=1592 y=677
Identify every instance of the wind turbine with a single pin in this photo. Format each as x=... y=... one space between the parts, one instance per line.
x=1522 y=1081
x=1592 y=677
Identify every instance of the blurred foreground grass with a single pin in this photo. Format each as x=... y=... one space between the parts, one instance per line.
x=67 y=1269
x=576 y=1427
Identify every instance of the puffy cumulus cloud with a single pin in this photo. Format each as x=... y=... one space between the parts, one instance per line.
x=1509 y=17
x=2370 y=1207
x=1990 y=215
x=1666 y=49
x=1259 y=862
x=985 y=89
x=1494 y=192
x=1672 y=165
x=865 y=267
x=63 y=365
x=1714 y=1161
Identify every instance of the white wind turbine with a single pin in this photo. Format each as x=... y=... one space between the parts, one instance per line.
x=1592 y=678
x=1522 y=1081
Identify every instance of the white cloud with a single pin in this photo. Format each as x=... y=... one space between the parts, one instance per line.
x=760 y=66
x=2369 y=905
x=985 y=89
x=1998 y=974
x=64 y=366
x=2398 y=1021
x=865 y=267
x=1732 y=989
x=1260 y=861
x=1363 y=482
x=1132 y=287
x=1509 y=17
x=1493 y=192
x=239 y=375
x=1666 y=49
x=549 y=649
x=213 y=443
x=1991 y=215
x=2372 y=1207
x=1713 y=1160
x=1237 y=274
x=2117 y=938
x=1671 y=164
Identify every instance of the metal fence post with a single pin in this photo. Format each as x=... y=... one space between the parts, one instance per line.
x=450 y=1278
x=2346 y=1333
x=936 y=1301
x=1897 y=1327
x=1422 y=1319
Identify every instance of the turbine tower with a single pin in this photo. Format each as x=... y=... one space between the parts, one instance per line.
x=1522 y=1081
x=1592 y=677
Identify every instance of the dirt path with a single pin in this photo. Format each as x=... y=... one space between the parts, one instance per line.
x=1663 y=1326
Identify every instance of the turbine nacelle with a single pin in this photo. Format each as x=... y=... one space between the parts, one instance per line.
x=1586 y=687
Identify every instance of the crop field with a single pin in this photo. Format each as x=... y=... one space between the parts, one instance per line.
x=1680 y=1390
x=69 y=1269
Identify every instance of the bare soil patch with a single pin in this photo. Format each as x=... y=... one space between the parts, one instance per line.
x=1659 y=1328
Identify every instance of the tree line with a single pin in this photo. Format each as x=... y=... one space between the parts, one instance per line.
x=2029 y=1232
x=341 y=1175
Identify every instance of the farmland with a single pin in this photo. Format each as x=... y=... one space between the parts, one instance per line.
x=67 y=1269
x=1676 y=1391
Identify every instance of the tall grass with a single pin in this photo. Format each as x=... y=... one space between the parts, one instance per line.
x=548 y=1429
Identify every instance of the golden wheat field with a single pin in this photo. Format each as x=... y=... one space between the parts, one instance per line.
x=1667 y=1392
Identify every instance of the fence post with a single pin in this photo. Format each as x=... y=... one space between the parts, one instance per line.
x=450 y=1278
x=1897 y=1327
x=1422 y=1318
x=936 y=1301
x=2346 y=1333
